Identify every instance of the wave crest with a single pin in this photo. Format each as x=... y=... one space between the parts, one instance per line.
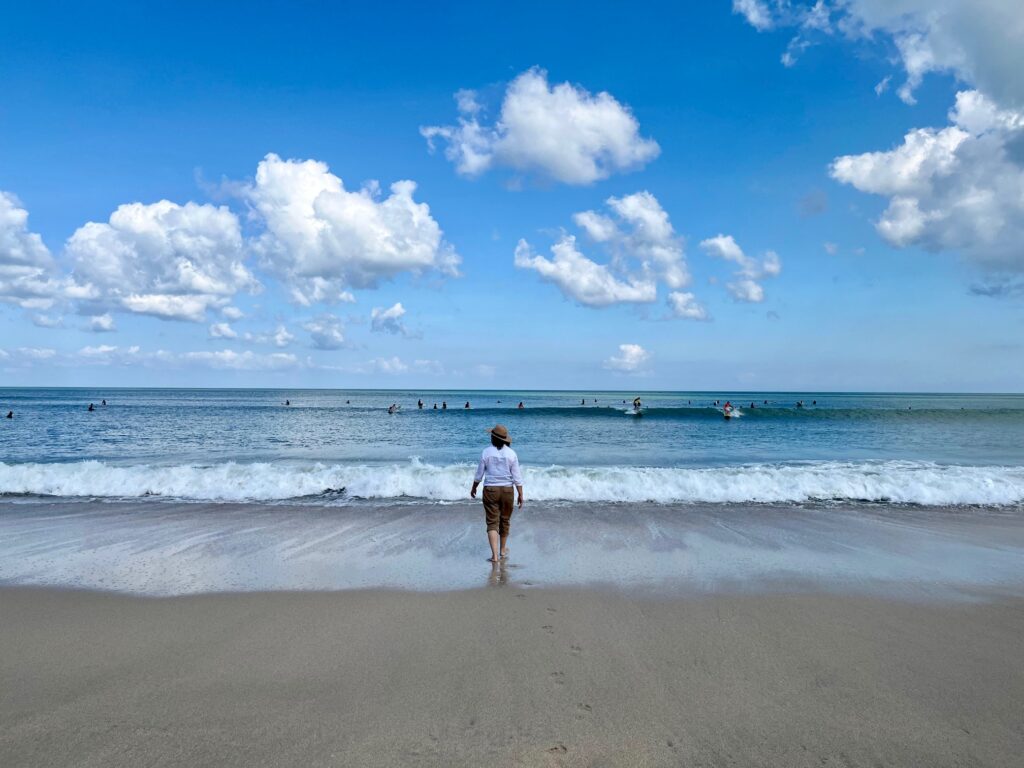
x=891 y=481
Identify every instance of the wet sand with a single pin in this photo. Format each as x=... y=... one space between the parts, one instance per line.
x=508 y=676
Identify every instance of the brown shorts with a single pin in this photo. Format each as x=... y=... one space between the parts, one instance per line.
x=498 y=508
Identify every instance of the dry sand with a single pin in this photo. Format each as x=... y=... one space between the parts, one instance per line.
x=508 y=676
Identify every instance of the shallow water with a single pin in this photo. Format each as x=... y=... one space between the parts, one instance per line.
x=167 y=549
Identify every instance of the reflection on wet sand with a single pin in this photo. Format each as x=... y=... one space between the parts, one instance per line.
x=169 y=548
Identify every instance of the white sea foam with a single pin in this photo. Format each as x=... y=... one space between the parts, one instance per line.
x=894 y=481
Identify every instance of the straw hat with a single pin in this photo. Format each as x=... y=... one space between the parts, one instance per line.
x=501 y=433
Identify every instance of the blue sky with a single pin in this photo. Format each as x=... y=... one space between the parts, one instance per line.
x=896 y=269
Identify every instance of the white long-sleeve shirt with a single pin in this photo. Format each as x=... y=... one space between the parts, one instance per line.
x=498 y=468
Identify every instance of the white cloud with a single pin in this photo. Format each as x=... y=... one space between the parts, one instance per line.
x=685 y=305
x=102 y=323
x=756 y=12
x=36 y=353
x=388 y=320
x=746 y=285
x=222 y=331
x=232 y=313
x=240 y=361
x=980 y=42
x=562 y=132
x=960 y=187
x=322 y=239
x=26 y=267
x=631 y=357
x=642 y=248
x=830 y=248
x=47 y=321
x=167 y=260
x=586 y=281
x=326 y=332
x=281 y=337
x=392 y=366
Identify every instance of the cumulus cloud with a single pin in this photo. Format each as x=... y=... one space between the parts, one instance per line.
x=322 y=239
x=47 y=321
x=562 y=132
x=585 y=281
x=222 y=331
x=388 y=320
x=746 y=285
x=631 y=358
x=641 y=247
x=26 y=266
x=685 y=305
x=102 y=323
x=281 y=337
x=756 y=12
x=326 y=332
x=960 y=187
x=232 y=313
x=981 y=42
x=167 y=260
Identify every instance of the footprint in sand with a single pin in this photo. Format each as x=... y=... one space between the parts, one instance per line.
x=558 y=749
x=558 y=678
x=576 y=650
x=551 y=610
x=549 y=629
x=584 y=707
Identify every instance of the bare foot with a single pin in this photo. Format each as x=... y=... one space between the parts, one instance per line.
x=504 y=554
x=493 y=560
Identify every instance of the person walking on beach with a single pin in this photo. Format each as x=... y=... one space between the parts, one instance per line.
x=499 y=471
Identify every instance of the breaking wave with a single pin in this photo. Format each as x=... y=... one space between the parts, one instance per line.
x=902 y=482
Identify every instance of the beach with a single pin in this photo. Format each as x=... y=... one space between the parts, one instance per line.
x=507 y=676
x=840 y=584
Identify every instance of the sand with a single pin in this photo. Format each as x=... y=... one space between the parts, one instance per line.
x=508 y=676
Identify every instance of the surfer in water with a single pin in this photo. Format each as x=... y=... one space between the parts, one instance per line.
x=727 y=409
x=637 y=405
x=499 y=471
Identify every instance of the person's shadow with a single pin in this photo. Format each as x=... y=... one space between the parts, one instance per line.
x=498 y=576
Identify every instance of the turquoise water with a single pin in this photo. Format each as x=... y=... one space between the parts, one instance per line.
x=343 y=447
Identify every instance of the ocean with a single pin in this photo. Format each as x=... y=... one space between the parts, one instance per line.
x=341 y=447
x=171 y=492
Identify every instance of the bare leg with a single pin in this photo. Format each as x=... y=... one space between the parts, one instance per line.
x=492 y=539
x=504 y=545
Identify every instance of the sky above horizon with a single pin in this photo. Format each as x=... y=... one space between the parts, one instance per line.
x=752 y=195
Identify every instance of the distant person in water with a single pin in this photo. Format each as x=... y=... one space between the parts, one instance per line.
x=444 y=405
x=521 y=406
x=499 y=471
x=10 y=414
x=104 y=402
x=583 y=402
x=419 y=404
x=466 y=406
x=286 y=402
x=637 y=405
x=435 y=406
x=91 y=407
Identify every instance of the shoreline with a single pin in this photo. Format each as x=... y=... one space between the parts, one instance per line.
x=166 y=548
x=507 y=677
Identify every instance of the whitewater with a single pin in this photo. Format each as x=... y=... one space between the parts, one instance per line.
x=900 y=482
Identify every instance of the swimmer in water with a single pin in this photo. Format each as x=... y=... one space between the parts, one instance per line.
x=444 y=405
x=104 y=402
x=91 y=407
x=286 y=402
x=435 y=406
x=466 y=406
x=520 y=406
x=419 y=404
x=10 y=414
